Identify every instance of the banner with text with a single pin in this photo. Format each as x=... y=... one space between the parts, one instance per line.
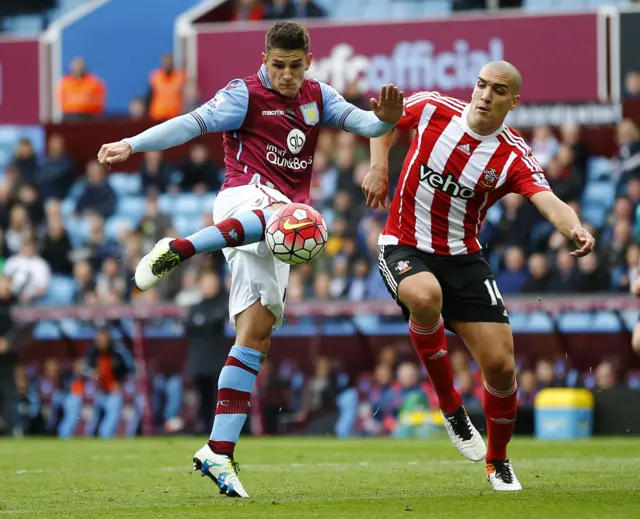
x=557 y=55
x=19 y=81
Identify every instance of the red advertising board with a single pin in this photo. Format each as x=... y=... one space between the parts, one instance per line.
x=19 y=81
x=557 y=55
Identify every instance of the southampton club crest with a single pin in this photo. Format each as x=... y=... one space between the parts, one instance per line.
x=489 y=178
x=402 y=266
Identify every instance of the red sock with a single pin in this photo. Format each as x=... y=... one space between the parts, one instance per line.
x=500 y=409
x=431 y=346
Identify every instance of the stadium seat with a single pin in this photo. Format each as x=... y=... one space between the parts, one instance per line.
x=166 y=204
x=595 y=214
x=24 y=25
x=131 y=207
x=77 y=229
x=602 y=192
x=598 y=168
x=114 y=225
x=494 y=214
x=576 y=322
x=46 y=331
x=67 y=207
x=61 y=291
x=206 y=202
x=606 y=322
x=631 y=318
x=186 y=225
x=125 y=183
x=187 y=204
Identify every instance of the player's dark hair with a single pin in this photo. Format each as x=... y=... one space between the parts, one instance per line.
x=287 y=35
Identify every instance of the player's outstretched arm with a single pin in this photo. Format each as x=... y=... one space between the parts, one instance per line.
x=375 y=185
x=225 y=112
x=386 y=112
x=565 y=220
x=171 y=133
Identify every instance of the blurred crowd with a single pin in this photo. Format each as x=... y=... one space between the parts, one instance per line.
x=58 y=218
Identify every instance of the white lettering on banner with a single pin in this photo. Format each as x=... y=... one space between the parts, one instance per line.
x=411 y=66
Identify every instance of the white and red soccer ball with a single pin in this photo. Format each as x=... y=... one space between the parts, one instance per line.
x=296 y=234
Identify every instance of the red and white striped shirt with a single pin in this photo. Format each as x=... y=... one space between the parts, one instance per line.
x=452 y=176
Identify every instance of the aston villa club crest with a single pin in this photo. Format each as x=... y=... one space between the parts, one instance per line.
x=489 y=178
x=310 y=113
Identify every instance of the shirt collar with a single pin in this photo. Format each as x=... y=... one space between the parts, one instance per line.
x=465 y=127
x=264 y=77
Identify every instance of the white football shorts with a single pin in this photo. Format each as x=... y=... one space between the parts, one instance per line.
x=256 y=275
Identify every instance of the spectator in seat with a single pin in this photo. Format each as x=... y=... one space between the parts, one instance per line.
x=280 y=10
x=515 y=223
x=6 y=203
x=155 y=173
x=605 y=376
x=592 y=277
x=565 y=277
x=358 y=285
x=73 y=401
x=628 y=160
x=570 y=136
x=154 y=224
x=28 y=406
x=199 y=173
x=8 y=358
x=52 y=393
x=30 y=274
x=635 y=338
x=55 y=245
x=320 y=390
x=98 y=196
x=322 y=287
x=539 y=275
x=81 y=94
x=26 y=161
x=97 y=245
x=339 y=277
x=55 y=176
x=83 y=276
x=545 y=374
x=248 y=10
x=110 y=280
x=544 y=145
x=109 y=364
x=191 y=293
x=29 y=197
x=166 y=86
x=512 y=278
x=409 y=416
x=208 y=346
x=307 y=9
x=19 y=225
x=377 y=403
x=616 y=251
x=565 y=183
x=527 y=389
x=466 y=383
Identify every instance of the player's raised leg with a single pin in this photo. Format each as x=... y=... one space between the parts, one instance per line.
x=243 y=229
x=491 y=344
x=419 y=292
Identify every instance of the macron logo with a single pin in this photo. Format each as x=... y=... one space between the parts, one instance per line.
x=272 y=112
x=464 y=148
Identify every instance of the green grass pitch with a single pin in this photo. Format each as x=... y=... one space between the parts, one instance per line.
x=316 y=478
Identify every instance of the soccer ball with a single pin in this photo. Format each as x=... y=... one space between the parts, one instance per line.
x=296 y=234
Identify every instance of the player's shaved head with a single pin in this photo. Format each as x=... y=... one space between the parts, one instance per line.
x=505 y=70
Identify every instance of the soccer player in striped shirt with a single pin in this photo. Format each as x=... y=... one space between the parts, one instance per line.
x=462 y=161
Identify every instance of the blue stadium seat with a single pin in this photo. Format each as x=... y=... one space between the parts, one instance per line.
x=186 y=225
x=166 y=204
x=24 y=25
x=67 y=207
x=595 y=214
x=77 y=229
x=125 y=183
x=206 y=202
x=602 y=192
x=46 y=331
x=576 y=322
x=114 y=225
x=61 y=291
x=606 y=322
x=187 y=204
x=537 y=322
x=598 y=168
x=131 y=207
x=494 y=214
x=631 y=318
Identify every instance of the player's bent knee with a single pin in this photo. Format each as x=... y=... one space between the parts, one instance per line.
x=421 y=294
x=499 y=368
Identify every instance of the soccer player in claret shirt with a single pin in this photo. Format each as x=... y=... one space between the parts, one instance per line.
x=462 y=161
x=271 y=121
